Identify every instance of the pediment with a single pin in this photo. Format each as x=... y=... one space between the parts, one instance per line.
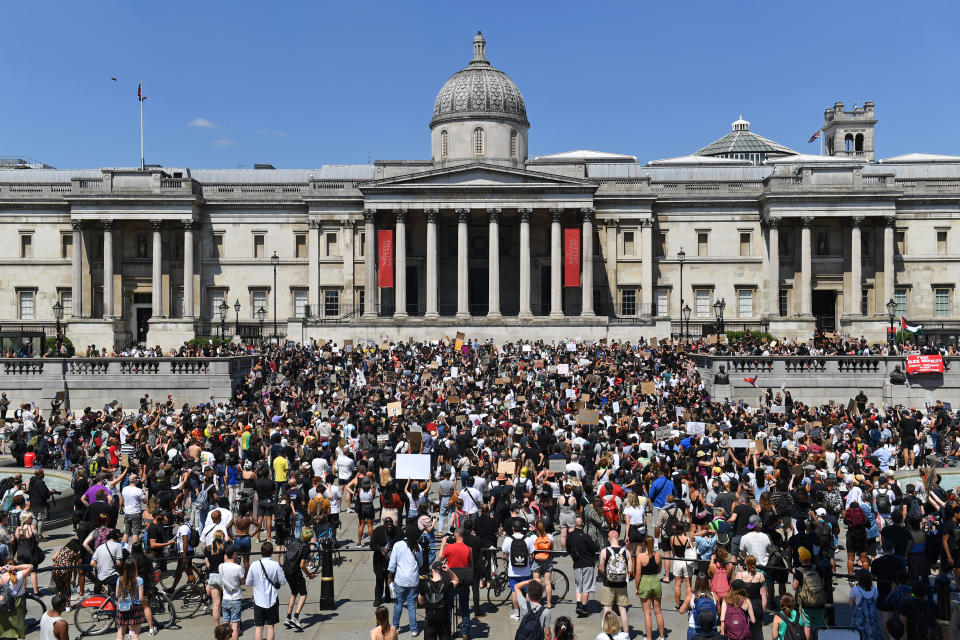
x=478 y=175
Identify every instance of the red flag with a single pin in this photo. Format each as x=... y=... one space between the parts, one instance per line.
x=385 y=270
x=571 y=257
x=815 y=136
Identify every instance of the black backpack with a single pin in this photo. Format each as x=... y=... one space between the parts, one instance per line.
x=519 y=553
x=530 y=626
x=883 y=502
x=434 y=597
x=793 y=629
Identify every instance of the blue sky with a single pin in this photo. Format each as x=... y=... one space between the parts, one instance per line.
x=301 y=84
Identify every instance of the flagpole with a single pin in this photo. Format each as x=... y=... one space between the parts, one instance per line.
x=140 y=100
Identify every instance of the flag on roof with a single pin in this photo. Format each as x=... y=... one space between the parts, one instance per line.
x=912 y=328
x=815 y=136
x=140 y=95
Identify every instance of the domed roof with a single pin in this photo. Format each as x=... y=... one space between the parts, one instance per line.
x=742 y=140
x=480 y=90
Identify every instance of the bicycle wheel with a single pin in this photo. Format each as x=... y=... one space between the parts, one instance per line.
x=35 y=609
x=559 y=586
x=189 y=599
x=499 y=591
x=94 y=619
x=164 y=613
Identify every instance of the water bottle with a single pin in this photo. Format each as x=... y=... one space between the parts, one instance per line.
x=393 y=591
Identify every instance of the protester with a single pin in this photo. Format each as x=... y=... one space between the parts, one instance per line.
x=266 y=577
x=616 y=566
x=231 y=577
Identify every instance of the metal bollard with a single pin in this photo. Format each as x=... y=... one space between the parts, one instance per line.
x=941 y=586
x=327 y=599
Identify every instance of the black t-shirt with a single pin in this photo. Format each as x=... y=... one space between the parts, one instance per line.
x=900 y=536
x=157 y=532
x=743 y=513
x=885 y=569
x=94 y=511
x=950 y=529
x=265 y=489
x=437 y=616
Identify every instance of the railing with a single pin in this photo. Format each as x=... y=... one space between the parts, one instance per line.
x=802 y=364
x=702 y=328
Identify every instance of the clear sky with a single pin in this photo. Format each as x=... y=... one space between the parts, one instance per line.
x=301 y=84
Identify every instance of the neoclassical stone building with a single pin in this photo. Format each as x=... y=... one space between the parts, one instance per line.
x=481 y=238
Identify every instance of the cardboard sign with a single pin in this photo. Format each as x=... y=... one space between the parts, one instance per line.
x=759 y=445
x=588 y=416
x=413 y=466
x=461 y=418
x=348 y=343
x=458 y=345
x=461 y=336
x=696 y=428
x=125 y=461
x=527 y=348
x=738 y=443
x=507 y=467
x=662 y=433
x=521 y=398
x=393 y=409
x=653 y=342
x=557 y=465
x=453 y=400
x=501 y=381
x=538 y=364
x=415 y=438
x=648 y=388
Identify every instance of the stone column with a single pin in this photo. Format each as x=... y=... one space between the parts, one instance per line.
x=400 y=265
x=108 y=269
x=806 y=276
x=773 y=266
x=889 y=275
x=432 y=216
x=463 y=279
x=157 y=299
x=610 y=260
x=347 y=235
x=77 y=284
x=586 y=280
x=525 y=311
x=313 y=264
x=556 y=299
x=646 y=267
x=370 y=269
x=188 y=270
x=856 y=267
x=493 y=254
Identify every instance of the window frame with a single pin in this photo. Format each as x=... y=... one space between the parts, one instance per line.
x=948 y=301
x=26 y=245
x=22 y=294
x=301 y=300
x=628 y=308
x=662 y=311
x=479 y=142
x=259 y=242
x=707 y=311
x=740 y=306
x=902 y=308
x=297 y=245
x=444 y=144
x=331 y=309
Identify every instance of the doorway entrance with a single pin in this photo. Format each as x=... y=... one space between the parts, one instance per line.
x=479 y=288
x=825 y=309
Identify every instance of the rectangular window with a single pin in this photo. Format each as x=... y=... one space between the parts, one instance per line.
x=300 y=304
x=628 y=302
x=216 y=250
x=900 y=297
x=97 y=302
x=258 y=300
x=215 y=298
x=331 y=303
x=942 y=298
x=941 y=243
x=361 y=296
x=783 y=303
x=25 y=305
x=66 y=301
x=300 y=245
x=745 y=303
x=702 y=303
x=628 y=244
x=176 y=303
x=332 y=250
x=26 y=245
x=744 y=244
x=821 y=243
x=661 y=244
x=258 y=245
x=66 y=246
x=662 y=303
x=901 y=240
x=702 y=246
x=864 y=302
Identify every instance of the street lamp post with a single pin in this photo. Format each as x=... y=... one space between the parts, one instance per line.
x=685 y=321
x=236 y=307
x=681 y=256
x=718 y=308
x=58 y=315
x=261 y=314
x=222 y=311
x=891 y=314
x=275 y=260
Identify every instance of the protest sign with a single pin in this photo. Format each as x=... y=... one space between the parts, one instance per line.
x=557 y=465
x=571 y=346
x=738 y=443
x=696 y=428
x=663 y=433
x=461 y=336
x=563 y=369
x=413 y=466
x=393 y=409
x=616 y=407
x=588 y=416
x=415 y=438
x=506 y=466
x=648 y=388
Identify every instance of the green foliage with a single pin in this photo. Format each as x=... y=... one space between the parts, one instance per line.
x=50 y=346
x=202 y=341
x=903 y=336
x=762 y=336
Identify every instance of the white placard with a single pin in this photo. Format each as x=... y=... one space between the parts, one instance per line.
x=616 y=407
x=571 y=346
x=739 y=443
x=696 y=428
x=563 y=369
x=415 y=466
x=663 y=433
x=526 y=348
x=454 y=372
x=570 y=393
x=777 y=408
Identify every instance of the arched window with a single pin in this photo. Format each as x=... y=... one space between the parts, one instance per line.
x=858 y=142
x=478 y=141
x=848 y=143
x=443 y=144
x=513 y=143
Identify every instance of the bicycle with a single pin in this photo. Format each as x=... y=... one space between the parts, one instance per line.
x=34 y=611
x=498 y=593
x=96 y=614
x=193 y=595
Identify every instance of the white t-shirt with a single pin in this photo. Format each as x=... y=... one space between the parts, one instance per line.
x=345 y=468
x=616 y=636
x=756 y=544
x=636 y=516
x=519 y=572
x=226 y=517
x=231 y=574
x=333 y=494
x=184 y=530
x=132 y=500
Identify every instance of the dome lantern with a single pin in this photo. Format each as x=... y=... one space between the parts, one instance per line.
x=740 y=124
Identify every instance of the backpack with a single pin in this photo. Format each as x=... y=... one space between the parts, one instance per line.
x=883 y=502
x=194 y=538
x=545 y=545
x=824 y=537
x=672 y=526
x=203 y=498
x=812 y=595
x=7 y=602
x=611 y=511
x=519 y=554
x=531 y=628
x=291 y=558
x=704 y=603
x=736 y=625
x=435 y=601
x=102 y=534
x=833 y=502
x=616 y=564
x=782 y=502
x=855 y=518
x=914 y=508
x=793 y=630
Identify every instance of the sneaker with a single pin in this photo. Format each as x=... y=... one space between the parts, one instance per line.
x=296 y=623
x=288 y=623
x=415 y=633
x=154 y=631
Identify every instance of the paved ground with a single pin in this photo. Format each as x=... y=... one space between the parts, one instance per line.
x=353 y=617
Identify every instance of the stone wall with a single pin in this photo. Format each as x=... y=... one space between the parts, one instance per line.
x=817 y=380
x=94 y=382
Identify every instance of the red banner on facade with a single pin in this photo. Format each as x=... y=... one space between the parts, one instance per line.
x=924 y=364
x=571 y=257
x=385 y=263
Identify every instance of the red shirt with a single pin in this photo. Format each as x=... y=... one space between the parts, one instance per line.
x=617 y=490
x=29 y=458
x=457 y=555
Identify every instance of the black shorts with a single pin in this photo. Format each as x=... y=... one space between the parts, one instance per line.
x=297 y=583
x=366 y=511
x=334 y=520
x=270 y=615
x=856 y=544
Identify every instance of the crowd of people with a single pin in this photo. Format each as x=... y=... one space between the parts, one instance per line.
x=612 y=457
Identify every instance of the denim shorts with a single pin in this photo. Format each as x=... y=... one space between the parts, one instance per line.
x=230 y=610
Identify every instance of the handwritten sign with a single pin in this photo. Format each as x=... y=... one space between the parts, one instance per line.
x=393 y=409
x=663 y=433
x=507 y=467
x=739 y=443
x=648 y=388
x=696 y=428
x=557 y=465
x=588 y=416
x=563 y=369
